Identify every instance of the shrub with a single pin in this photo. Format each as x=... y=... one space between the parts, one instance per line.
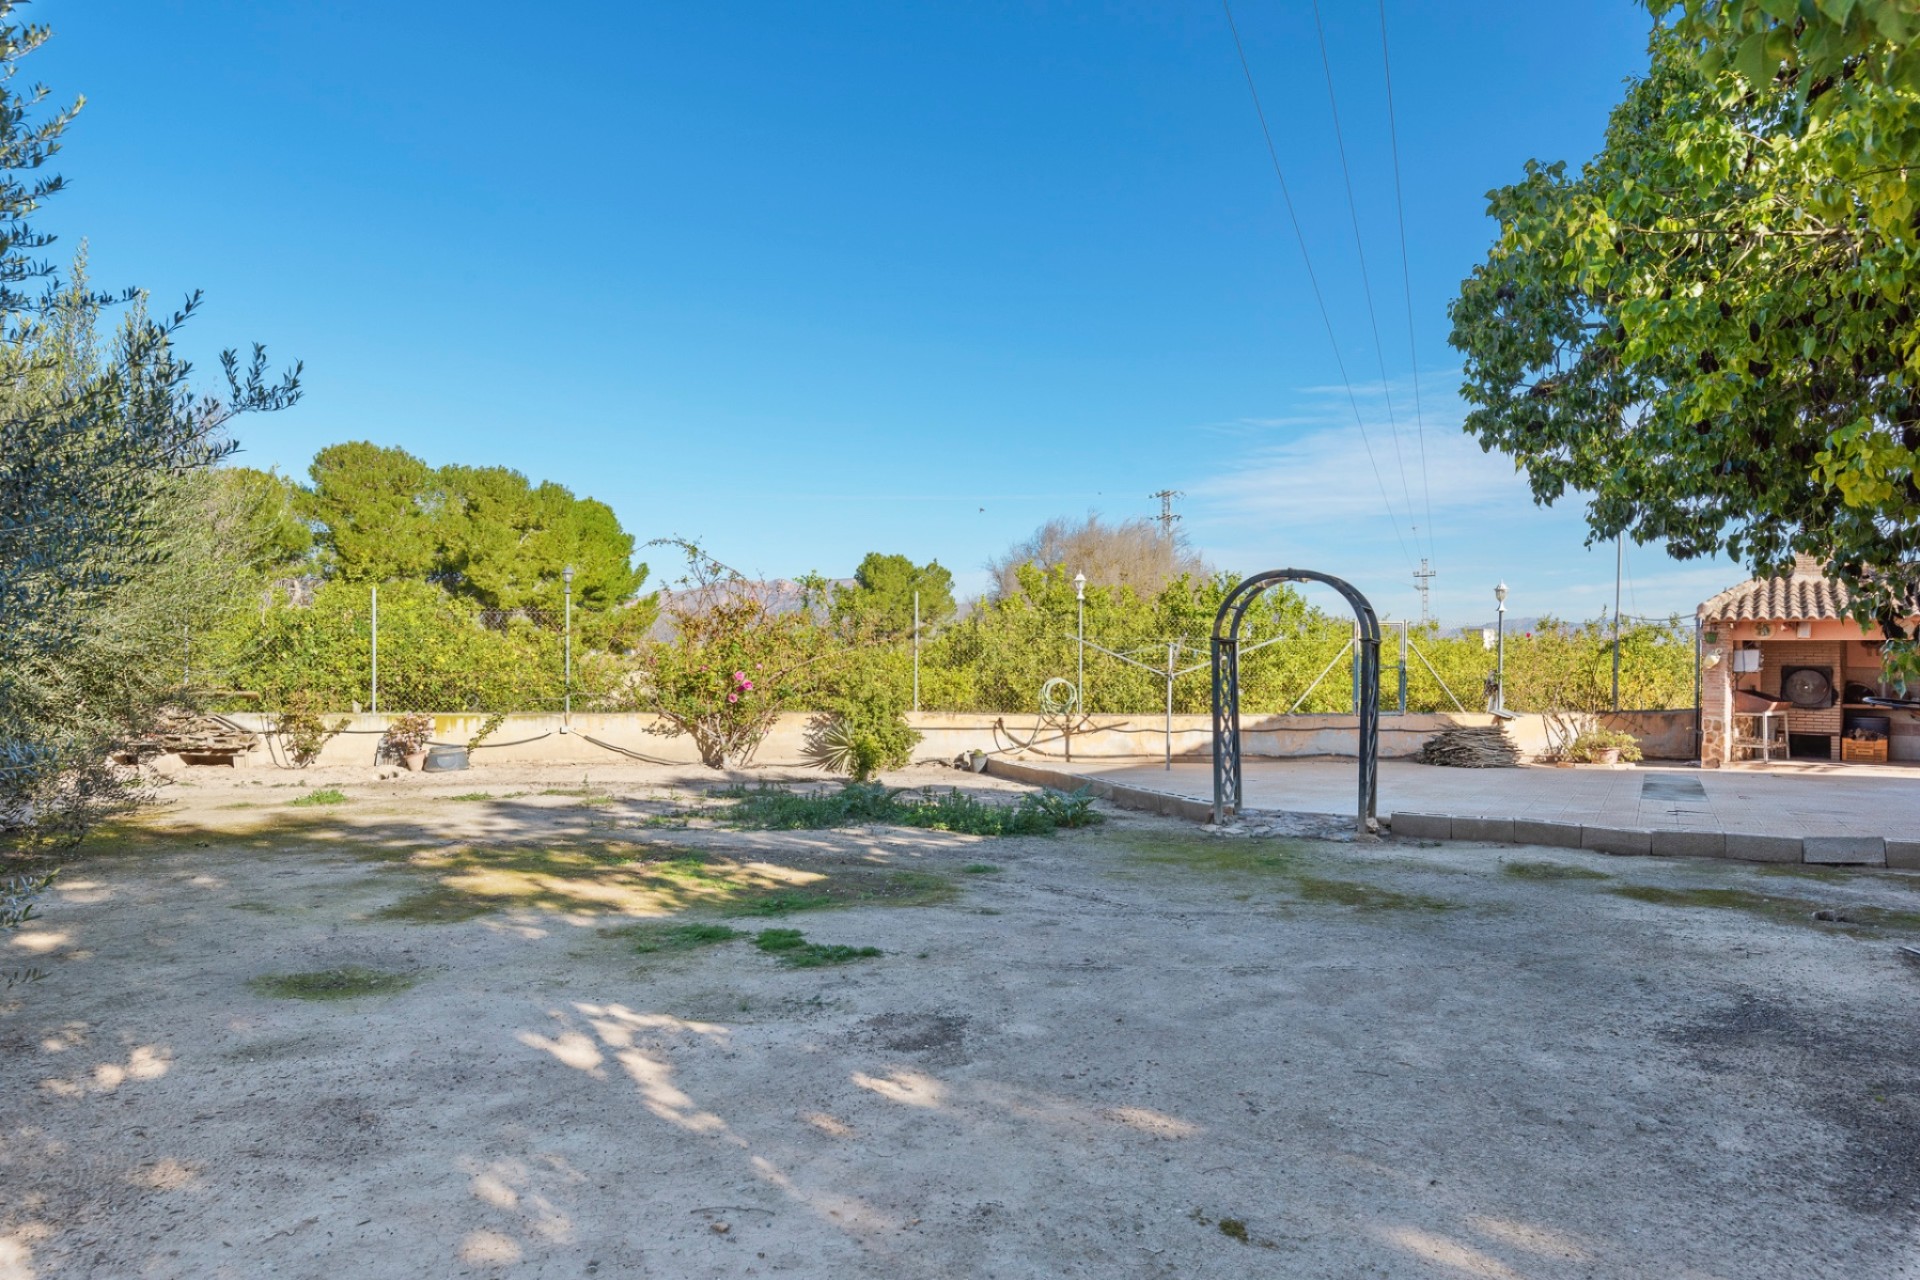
x=407 y=736
x=736 y=661
x=302 y=729
x=861 y=733
x=1586 y=748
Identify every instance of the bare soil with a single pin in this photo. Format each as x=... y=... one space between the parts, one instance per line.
x=417 y=1035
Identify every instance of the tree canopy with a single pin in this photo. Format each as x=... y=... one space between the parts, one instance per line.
x=1133 y=553
x=484 y=533
x=880 y=600
x=1708 y=329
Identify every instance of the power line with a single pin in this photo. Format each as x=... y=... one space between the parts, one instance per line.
x=1406 y=276
x=1167 y=517
x=1359 y=248
x=1300 y=237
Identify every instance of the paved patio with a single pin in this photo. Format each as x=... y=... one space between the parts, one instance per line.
x=1801 y=799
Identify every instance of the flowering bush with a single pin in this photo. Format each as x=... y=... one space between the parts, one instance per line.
x=407 y=736
x=735 y=661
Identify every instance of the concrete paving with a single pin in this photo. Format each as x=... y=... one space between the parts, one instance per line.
x=1799 y=800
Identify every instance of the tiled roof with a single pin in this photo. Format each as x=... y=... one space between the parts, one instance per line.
x=1804 y=596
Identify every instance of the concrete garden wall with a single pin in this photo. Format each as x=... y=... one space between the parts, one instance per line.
x=538 y=739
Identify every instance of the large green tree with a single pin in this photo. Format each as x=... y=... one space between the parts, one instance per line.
x=1709 y=329
x=880 y=600
x=483 y=533
x=103 y=534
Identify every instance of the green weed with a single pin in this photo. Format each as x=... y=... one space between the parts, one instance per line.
x=980 y=869
x=769 y=808
x=1364 y=897
x=344 y=983
x=473 y=795
x=792 y=949
x=1550 y=871
x=651 y=939
x=324 y=795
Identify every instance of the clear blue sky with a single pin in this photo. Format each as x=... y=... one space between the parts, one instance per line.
x=806 y=281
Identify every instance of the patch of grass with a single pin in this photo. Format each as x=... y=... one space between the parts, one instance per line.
x=1550 y=871
x=1234 y=1229
x=769 y=808
x=793 y=950
x=321 y=795
x=980 y=869
x=1860 y=921
x=473 y=795
x=344 y=983
x=652 y=939
x=783 y=903
x=1286 y=862
x=442 y=904
x=1364 y=897
x=259 y=908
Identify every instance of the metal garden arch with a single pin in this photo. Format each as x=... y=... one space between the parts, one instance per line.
x=1227 y=782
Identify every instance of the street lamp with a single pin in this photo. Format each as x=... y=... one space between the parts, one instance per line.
x=1080 y=608
x=566 y=716
x=1500 y=650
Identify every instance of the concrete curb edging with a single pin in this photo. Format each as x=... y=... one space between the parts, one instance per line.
x=1737 y=846
x=1164 y=803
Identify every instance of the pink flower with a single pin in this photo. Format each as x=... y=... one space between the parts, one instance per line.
x=733 y=697
x=739 y=675
x=748 y=685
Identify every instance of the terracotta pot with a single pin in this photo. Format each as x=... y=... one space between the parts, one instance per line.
x=1607 y=755
x=419 y=758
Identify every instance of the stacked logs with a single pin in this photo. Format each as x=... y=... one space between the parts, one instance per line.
x=1472 y=747
x=192 y=735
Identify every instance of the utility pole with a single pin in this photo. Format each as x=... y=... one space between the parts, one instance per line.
x=1619 y=559
x=1422 y=582
x=1167 y=516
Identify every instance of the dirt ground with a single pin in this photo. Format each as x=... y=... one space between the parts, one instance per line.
x=1134 y=1050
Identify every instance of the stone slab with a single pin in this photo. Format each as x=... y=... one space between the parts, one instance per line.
x=1622 y=840
x=1845 y=851
x=1904 y=854
x=1689 y=844
x=1497 y=830
x=1421 y=826
x=1552 y=835
x=1756 y=848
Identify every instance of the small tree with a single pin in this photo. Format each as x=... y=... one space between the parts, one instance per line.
x=736 y=659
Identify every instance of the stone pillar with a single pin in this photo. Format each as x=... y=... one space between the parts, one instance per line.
x=1716 y=702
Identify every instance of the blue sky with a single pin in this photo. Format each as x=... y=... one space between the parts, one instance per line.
x=806 y=281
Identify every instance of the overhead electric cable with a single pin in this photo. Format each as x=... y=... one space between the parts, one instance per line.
x=1326 y=319
x=1360 y=249
x=1406 y=277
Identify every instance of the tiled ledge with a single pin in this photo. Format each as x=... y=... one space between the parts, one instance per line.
x=1832 y=851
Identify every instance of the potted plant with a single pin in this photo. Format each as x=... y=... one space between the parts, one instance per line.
x=1603 y=746
x=407 y=739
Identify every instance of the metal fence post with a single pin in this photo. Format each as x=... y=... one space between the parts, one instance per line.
x=1172 y=650
x=1356 y=668
x=916 y=651
x=375 y=695
x=1403 y=666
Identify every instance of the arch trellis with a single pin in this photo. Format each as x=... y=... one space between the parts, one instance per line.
x=1227 y=776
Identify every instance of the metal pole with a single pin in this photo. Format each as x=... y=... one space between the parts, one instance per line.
x=1500 y=660
x=916 y=651
x=1080 y=680
x=1356 y=669
x=1697 y=655
x=375 y=691
x=1619 y=552
x=1403 y=667
x=1172 y=649
x=566 y=709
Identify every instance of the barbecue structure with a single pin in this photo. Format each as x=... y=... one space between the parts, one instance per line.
x=1786 y=674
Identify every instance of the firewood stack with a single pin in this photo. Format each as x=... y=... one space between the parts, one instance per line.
x=1472 y=747
x=192 y=735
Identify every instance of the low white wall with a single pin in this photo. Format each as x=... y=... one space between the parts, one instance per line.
x=538 y=739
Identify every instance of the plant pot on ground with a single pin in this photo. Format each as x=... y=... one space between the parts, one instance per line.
x=1603 y=746
x=406 y=739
